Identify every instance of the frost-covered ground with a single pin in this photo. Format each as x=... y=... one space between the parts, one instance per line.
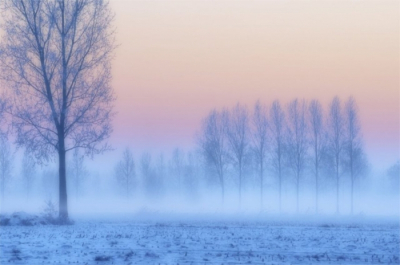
x=202 y=242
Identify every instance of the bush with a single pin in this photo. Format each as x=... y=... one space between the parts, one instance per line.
x=49 y=212
x=49 y=215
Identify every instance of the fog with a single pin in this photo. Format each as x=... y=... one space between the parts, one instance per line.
x=293 y=160
x=179 y=132
x=101 y=196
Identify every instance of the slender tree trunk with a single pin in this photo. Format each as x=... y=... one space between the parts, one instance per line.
x=352 y=193
x=127 y=188
x=297 y=193
x=352 y=185
x=316 y=188
x=337 y=185
x=2 y=189
x=63 y=204
x=77 y=188
x=240 y=185
x=221 y=176
x=3 y=181
x=316 y=172
x=280 y=187
x=222 y=190
x=262 y=185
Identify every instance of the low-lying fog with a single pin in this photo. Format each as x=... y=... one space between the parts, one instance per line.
x=198 y=194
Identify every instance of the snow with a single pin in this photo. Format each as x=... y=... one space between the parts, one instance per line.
x=202 y=242
x=25 y=219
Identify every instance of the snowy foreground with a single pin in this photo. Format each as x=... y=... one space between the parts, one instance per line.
x=202 y=242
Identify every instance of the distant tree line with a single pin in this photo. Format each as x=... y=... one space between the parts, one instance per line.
x=288 y=139
x=286 y=143
x=158 y=177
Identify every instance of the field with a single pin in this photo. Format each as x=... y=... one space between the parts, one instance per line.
x=202 y=242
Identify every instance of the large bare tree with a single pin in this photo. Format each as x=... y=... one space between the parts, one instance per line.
x=260 y=142
x=336 y=140
x=297 y=141
x=317 y=141
x=238 y=138
x=213 y=145
x=277 y=127
x=56 y=56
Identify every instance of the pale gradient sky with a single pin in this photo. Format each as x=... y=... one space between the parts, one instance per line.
x=179 y=59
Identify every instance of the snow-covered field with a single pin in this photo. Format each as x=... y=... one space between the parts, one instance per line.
x=202 y=242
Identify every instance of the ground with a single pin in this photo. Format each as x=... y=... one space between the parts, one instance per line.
x=201 y=242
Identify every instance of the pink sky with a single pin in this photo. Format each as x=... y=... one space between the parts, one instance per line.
x=179 y=59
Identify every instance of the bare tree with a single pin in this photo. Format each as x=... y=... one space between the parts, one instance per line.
x=152 y=182
x=260 y=141
x=160 y=172
x=177 y=169
x=238 y=139
x=213 y=145
x=277 y=126
x=297 y=141
x=317 y=141
x=355 y=156
x=125 y=172
x=336 y=139
x=393 y=173
x=192 y=175
x=56 y=57
x=6 y=157
x=78 y=171
x=28 y=172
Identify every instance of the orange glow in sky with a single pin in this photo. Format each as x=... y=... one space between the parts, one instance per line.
x=177 y=60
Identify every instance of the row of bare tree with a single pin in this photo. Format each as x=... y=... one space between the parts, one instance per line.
x=289 y=140
x=284 y=143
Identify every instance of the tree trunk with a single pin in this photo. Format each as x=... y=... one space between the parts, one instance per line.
x=352 y=193
x=352 y=177
x=222 y=191
x=352 y=185
x=262 y=185
x=2 y=190
x=316 y=189
x=63 y=204
x=240 y=185
x=297 y=193
x=337 y=186
x=221 y=179
x=280 y=188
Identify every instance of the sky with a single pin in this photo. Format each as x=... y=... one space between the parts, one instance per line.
x=177 y=60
